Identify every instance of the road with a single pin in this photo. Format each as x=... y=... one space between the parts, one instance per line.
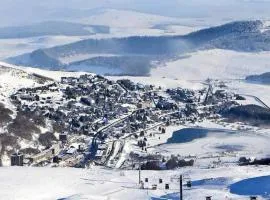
x=94 y=145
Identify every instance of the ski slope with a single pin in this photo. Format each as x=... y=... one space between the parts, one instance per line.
x=102 y=184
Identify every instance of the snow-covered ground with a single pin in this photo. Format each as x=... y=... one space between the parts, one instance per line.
x=219 y=142
x=223 y=147
x=161 y=81
x=120 y=25
x=101 y=184
x=125 y=19
x=55 y=75
x=258 y=90
x=11 y=79
x=216 y=64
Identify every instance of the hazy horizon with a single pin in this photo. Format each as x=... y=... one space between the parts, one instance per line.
x=19 y=12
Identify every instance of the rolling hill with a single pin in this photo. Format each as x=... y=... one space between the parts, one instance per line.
x=244 y=36
x=262 y=78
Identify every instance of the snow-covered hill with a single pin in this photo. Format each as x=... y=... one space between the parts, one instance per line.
x=262 y=78
x=215 y=63
x=104 y=184
x=95 y=24
x=16 y=47
x=245 y=36
x=124 y=19
x=11 y=79
x=18 y=130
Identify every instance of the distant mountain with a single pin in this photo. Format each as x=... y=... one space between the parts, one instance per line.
x=116 y=18
x=234 y=28
x=38 y=58
x=52 y=28
x=262 y=78
x=246 y=36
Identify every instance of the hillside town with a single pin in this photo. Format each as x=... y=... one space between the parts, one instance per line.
x=91 y=119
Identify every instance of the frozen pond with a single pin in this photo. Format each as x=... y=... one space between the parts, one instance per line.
x=208 y=142
x=190 y=134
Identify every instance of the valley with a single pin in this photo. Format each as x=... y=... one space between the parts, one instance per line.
x=102 y=101
x=90 y=121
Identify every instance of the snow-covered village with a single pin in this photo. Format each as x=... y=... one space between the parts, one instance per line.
x=115 y=100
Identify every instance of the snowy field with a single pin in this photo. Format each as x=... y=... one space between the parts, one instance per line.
x=102 y=184
x=55 y=75
x=216 y=64
x=258 y=90
x=161 y=81
x=120 y=18
x=226 y=144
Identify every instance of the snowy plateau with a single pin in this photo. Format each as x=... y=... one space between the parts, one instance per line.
x=96 y=107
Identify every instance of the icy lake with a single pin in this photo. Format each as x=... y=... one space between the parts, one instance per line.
x=189 y=134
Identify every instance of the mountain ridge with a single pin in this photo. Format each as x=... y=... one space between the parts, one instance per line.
x=243 y=36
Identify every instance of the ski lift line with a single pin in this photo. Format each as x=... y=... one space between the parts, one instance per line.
x=158 y=189
x=180 y=181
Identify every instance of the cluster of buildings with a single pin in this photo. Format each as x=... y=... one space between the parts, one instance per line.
x=89 y=111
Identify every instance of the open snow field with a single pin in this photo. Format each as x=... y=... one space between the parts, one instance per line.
x=260 y=91
x=161 y=81
x=216 y=64
x=102 y=184
x=122 y=18
x=55 y=75
x=206 y=143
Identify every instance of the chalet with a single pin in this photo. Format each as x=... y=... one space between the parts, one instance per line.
x=166 y=105
x=69 y=80
x=28 y=97
x=71 y=151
